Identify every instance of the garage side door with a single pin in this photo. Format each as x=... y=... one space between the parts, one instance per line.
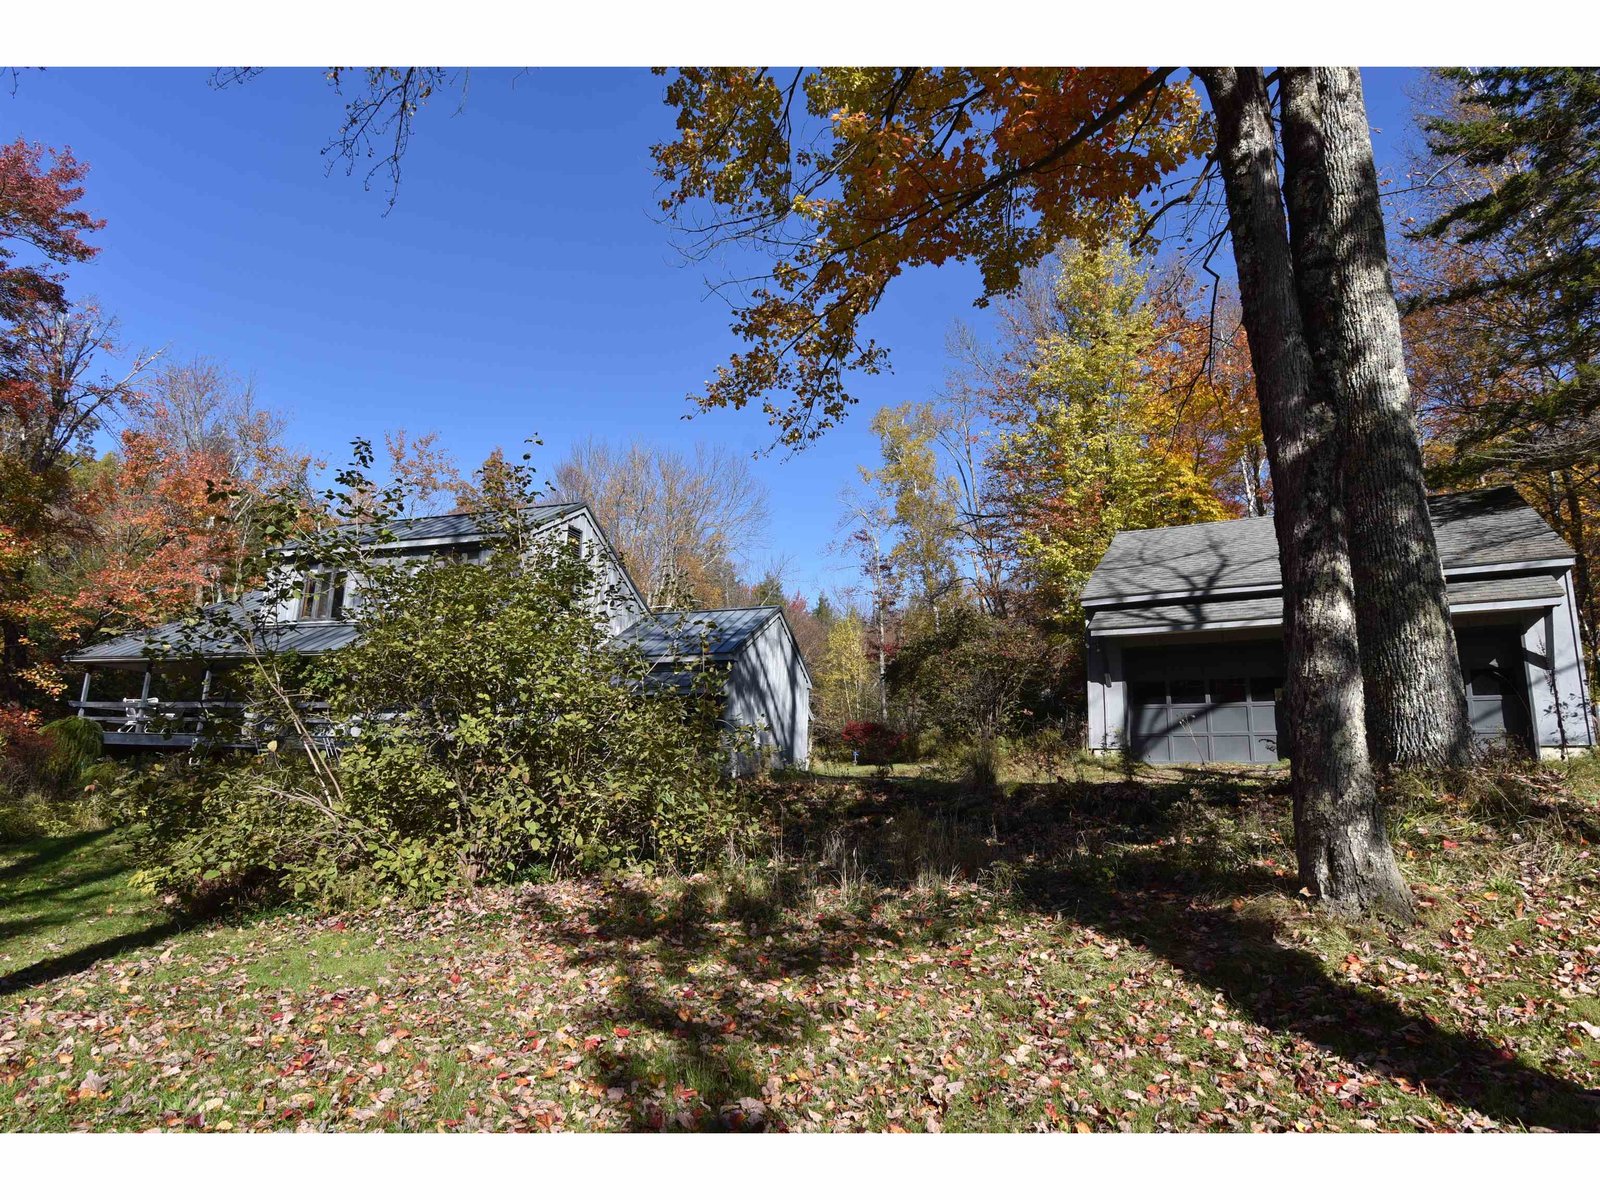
x=1204 y=704
x=1497 y=703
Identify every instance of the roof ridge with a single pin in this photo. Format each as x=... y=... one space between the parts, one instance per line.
x=673 y=612
x=1479 y=491
x=471 y=512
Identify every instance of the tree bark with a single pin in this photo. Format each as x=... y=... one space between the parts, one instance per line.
x=1343 y=850
x=1416 y=712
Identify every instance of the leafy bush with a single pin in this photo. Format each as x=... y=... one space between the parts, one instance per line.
x=486 y=727
x=74 y=746
x=50 y=778
x=973 y=677
x=875 y=744
x=23 y=747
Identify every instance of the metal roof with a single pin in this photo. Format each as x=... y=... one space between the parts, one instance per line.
x=1263 y=610
x=715 y=634
x=1474 y=529
x=448 y=527
x=210 y=638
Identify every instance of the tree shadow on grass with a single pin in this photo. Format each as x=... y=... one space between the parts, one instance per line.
x=1139 y=861
x=1174 y=897
x=51 y=850
x=1289 y=990
x=73 y=961
x=704 y=1071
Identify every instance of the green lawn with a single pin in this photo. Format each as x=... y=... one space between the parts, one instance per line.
x=1094 y=955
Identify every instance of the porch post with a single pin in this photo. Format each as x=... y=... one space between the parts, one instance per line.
x=83 y=693
x=205 y=695
x=144 y=699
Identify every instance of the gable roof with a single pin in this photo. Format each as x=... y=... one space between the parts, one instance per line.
x=1523 y=591
x=717 y=634
x=1489 y=527
x=445 y=528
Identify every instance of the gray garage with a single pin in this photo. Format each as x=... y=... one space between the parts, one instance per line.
x=1190 y=704
x=1185 y=652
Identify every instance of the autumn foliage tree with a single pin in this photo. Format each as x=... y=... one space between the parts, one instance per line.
x=42 y=229
x=921 y=167
x=60 y=395
x=96 y=539
x=1086 y=445
x=917 y=167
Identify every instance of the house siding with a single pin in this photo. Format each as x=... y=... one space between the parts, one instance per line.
x=769 y=689
x=1557 y=687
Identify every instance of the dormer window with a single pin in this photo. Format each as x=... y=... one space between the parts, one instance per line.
x=323 y=596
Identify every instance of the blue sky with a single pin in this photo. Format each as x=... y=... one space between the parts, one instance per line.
x=522 y=284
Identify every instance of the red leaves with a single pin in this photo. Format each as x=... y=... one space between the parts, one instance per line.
x=41 y=186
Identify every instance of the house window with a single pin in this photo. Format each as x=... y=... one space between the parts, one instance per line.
x=323 y=597
x=575 y=538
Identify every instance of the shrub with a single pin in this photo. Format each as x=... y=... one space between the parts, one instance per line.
x=23 y=747
x=74 y=746
x=487 y=729
x=875 y=744
x=50 y=782
x=972 y=677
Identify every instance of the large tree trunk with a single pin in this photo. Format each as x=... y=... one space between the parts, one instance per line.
x=1416 y=705
x=1343 y=850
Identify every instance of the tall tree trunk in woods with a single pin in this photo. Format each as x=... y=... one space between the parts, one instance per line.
x=13 y=660
x=1343 y=850
x=1416 y=705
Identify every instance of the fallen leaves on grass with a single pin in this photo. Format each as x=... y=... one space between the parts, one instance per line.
x=1120 y=990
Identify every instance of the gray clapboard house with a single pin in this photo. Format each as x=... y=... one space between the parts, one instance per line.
x=1185 y=635
x=155 y=688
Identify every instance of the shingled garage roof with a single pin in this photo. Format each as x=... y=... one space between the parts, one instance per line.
x=715 y=634
x=209 y=639
x=1264 y=610
x=1474 y=529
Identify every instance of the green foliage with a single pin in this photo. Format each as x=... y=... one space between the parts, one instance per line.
x=972 y=677
x=481 y=725
x=1520 y=148
x=76 y=744
x=51 y=779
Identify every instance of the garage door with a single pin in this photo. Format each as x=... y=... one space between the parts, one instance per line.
x=1211 y=704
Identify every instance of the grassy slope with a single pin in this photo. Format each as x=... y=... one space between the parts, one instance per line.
x=1100 y=954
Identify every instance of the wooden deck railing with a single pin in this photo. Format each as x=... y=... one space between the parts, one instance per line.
x=152 y=721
